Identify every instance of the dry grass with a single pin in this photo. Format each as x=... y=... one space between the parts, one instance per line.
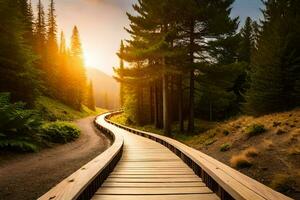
x=251 y=152
x=282 y=183
x=240 y=161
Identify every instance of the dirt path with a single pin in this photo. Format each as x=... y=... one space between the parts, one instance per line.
x=28 y=176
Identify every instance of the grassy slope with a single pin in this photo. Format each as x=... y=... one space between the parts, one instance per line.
x=277 y=163
x=53 y=110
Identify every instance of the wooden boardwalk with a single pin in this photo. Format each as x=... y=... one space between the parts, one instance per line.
x=150 y=171
x=145 y=166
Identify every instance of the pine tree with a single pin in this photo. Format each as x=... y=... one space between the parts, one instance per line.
x=90 y=102
x=63 y=47
x=26 y=10
x=78 y=77
x=18 y=75
x=121 y=68
x=40 y=31
x=276 y=65
x=52 y=33
x=247 y=43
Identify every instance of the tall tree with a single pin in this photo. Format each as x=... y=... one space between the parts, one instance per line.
x=78 y=77
x=62 y=47
x=247 y=41
x=26 y=11
x=121 y=69
x=40 y=30
x=52 y=33
x=276 y=63
x=18 y=75
x=90 y=101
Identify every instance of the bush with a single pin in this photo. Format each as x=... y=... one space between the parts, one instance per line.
x=255 y=129
x=240 y=161
x=60 y=132
x=19 y=127
x=225 y=147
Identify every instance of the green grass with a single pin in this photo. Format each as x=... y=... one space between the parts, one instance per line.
x=52 y=110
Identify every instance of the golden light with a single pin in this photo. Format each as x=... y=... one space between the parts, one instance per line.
x=91 y=59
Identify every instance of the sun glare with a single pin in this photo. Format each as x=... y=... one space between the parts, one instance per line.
x=91 y=59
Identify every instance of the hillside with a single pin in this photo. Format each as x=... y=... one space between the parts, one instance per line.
x=265 y=148
x=52 y=110
x=106 y=89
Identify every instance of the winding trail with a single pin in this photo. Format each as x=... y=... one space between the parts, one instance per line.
x=28 y=176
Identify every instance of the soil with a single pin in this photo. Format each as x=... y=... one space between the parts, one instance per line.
x=28 y=176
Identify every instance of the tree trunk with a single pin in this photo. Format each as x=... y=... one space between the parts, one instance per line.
x=191 y=125
x=166 y=117
x=180 y=104
x=151 y=103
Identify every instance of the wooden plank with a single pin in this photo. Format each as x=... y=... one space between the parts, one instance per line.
x=153 y=191
x=154 y=176
x=157 y=197
x=117 y=173
x=165 y=185
x=152 y=180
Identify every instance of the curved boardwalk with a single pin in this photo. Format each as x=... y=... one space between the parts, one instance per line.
x=148 y=170
x=144 y=166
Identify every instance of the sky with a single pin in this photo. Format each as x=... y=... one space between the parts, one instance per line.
x=101 y=25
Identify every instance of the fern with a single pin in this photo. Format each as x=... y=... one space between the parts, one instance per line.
x=19 y=127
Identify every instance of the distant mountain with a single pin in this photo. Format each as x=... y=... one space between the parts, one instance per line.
x=106 y=89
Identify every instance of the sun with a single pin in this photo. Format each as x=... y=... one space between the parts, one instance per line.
x=91 y=59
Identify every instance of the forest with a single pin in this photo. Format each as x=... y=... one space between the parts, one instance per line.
x=33 y=65
x=190 y=59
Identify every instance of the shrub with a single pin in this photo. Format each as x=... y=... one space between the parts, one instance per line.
x=225 y=147
x=60 y=132
x=19 y=127
x=240 y=161
x=255 y=129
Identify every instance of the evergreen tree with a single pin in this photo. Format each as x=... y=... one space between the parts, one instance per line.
x=78 y=76
x=26 y=10
x=52 y=33
x=63 y=47
x=121 y=68
x=90 y=101
x=276 y=63
x=18 y=76
x=40 y=31
x=247 y=43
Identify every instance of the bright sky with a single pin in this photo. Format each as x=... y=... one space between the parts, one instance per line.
x=101 y=25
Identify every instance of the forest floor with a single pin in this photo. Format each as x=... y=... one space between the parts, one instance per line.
x=28 y=176
x=272 y=156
